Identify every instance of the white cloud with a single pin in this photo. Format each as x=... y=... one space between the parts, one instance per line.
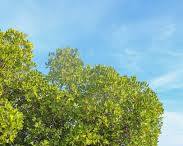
x=131 y=52
x=174 y=53
x=145 y=40
x=129 y=59
x=167 y=31
x=153 y=29
x=163 y=80
x=172 y=130
x=170 y=80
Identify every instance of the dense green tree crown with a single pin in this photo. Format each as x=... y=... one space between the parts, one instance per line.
x=74 y=104
x=11 y=121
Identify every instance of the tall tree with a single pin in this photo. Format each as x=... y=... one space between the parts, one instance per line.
x=15 y=62
x=108 y=109
x=75 y=104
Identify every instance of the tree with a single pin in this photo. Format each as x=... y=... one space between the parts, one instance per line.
x=25 y=94
x=75 y=104
x=15 y=61
x=9 y=130
x=65 y=68
x=108 y=109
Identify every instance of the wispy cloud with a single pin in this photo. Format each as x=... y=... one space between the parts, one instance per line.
x=151 y=29
x=129 y=59
x=174 y=53
x=145 y=40
x=170 y=80
x=167 y=31
x=172 y=131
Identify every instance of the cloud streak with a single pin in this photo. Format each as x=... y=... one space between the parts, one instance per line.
x=167 y=31
x=172 y=132
x=170 y=80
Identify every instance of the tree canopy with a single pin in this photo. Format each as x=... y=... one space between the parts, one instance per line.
x=75 y=104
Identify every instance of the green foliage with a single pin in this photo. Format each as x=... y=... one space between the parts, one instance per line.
x=15 y=63
x=16 y=54
x=11 y=121
x=108 y=109
x=75 y=104
x=65 y=68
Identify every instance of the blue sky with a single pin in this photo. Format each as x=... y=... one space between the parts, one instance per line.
x=137 y=37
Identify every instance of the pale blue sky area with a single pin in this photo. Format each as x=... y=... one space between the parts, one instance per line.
x=137 y=37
